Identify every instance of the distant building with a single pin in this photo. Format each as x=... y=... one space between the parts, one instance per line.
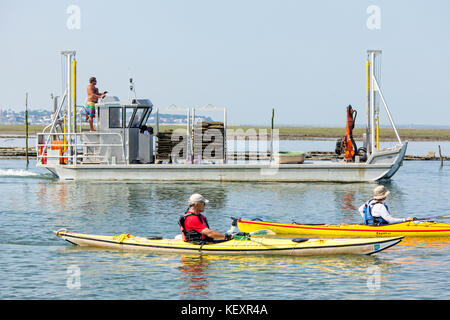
x=41 y=117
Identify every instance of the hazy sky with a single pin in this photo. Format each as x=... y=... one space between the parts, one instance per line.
x=306 y=59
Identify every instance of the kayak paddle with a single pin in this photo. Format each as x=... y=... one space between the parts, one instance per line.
x=235 y=230
x=262 y=232
x=432 y=218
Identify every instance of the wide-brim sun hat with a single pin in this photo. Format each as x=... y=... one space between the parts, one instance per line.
x=197 y=198
x=380 y=192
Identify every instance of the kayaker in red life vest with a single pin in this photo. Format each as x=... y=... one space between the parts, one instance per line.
x=194 y=226
x=376 y=212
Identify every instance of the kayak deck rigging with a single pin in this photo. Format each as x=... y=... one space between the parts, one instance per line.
x=300 y=247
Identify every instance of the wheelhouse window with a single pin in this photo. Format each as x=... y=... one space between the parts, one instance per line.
x=129 y=111
x=149 y=119
x=138 y=117
x=115 y=117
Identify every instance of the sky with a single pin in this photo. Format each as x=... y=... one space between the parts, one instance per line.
x=305 y=59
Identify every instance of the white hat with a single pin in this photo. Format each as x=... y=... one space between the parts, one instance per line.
x=196 y=197
x=380 y=192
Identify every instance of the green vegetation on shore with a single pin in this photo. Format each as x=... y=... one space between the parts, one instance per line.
x=332 y=132
x=287 y=133
x=20 y=129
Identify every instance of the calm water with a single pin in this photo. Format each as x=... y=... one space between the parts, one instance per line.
x=415 y=148
x=38 y=265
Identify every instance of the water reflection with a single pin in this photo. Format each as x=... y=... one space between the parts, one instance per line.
x=160 y=204
x=425 y=243
x=227 y=276
x=350 y=197
x=165 y=201
x=203 y=274
x=195 y=276
x=52 y=196
x=194 y=270
x=414 y=269
x=136 y=196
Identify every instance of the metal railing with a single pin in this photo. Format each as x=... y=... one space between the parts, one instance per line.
x=71 y=149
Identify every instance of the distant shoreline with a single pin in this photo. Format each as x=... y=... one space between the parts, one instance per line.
x=285 y=133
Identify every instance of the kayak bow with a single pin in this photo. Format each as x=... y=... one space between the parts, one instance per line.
x=259 y=246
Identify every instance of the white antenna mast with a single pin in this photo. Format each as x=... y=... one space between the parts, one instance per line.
x=132 y=88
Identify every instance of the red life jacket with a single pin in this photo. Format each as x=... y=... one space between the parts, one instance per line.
x=193 y=236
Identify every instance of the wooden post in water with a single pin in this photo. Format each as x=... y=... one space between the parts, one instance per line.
x=26 y=128
x=271 y=137
x=440 y=156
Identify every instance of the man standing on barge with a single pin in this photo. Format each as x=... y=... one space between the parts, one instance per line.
x=92 y=96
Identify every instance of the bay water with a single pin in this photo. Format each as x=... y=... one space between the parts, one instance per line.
x=38 y=265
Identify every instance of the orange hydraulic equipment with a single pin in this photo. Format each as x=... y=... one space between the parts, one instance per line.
x=350 y=145
x=346 y=145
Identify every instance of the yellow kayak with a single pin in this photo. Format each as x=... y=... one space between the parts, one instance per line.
x=247 y=246
x=407 y=229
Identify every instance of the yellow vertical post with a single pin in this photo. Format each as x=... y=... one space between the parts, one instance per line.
x=368 y=81
x=368 y=104
x=65 y=134
x=74 y=94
